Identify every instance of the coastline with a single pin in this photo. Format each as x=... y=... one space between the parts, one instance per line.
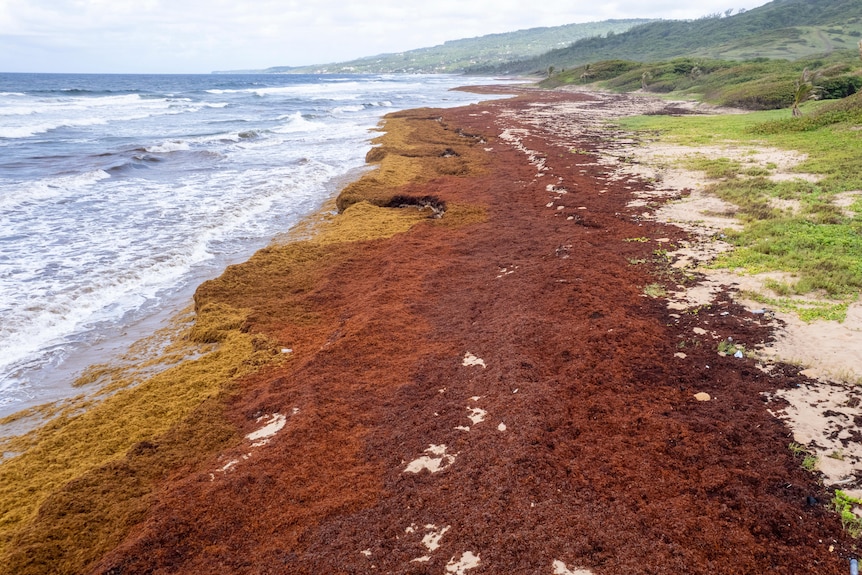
x=493 y=381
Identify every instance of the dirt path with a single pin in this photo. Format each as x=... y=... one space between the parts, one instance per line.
x=499 y=395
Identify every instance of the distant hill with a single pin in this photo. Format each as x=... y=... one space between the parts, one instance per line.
x=787 y=29
x=456 y=55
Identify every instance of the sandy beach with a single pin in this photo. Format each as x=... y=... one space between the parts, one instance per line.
x=490 y=360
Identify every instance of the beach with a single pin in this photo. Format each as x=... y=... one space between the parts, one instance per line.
x=471 y=367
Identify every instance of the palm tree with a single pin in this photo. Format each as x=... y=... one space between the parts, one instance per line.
x=646 y=78
x=804 y=90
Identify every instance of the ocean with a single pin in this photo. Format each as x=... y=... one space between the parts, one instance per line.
x=119 y=194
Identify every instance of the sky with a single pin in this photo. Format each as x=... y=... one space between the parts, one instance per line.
x=200 y=36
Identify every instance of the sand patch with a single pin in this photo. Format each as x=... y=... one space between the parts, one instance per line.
x=477 y=414
x=560 y=568
x=789 y=207
x=827 y=349
x=431 y=541
x=274 y=424
x=846 y=199
x=506 y=271
x=663 y=163
x=437 y=461
x=463 y=564
x=471 y=360
x=824 y=417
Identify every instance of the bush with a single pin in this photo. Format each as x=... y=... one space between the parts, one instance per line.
x=841 y=87
x=767 y=94
x=847 y=110
x=611 y=69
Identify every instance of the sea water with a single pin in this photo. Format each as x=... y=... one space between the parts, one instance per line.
x=121 y=193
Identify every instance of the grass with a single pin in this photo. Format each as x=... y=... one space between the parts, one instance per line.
x=820 y=243
x=844 y=505
x=809 y=460
x=729 y=347
x=655 y=290
x=809 y=463
x=807 y=310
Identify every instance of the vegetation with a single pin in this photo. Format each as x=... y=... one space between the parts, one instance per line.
x=816 y=241
x=729 y=347
x=782 y=29
x=845 y=504
x=655 y=290
x=759 y=84
x=804 y=89
x=457 y=55
x=786 y=30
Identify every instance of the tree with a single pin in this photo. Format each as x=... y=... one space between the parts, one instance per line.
x=550 y=71
x=804 y=90
x=646 y=78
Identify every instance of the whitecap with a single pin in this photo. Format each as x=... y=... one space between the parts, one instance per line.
x=346 y=109
x=167 y=147
x=297 y=123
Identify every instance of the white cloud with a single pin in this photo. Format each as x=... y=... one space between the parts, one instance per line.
x=204 y=35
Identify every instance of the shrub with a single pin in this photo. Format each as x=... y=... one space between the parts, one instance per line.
x=764 y=94
x=840 y=87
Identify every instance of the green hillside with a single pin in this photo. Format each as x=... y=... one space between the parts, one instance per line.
x=456 y=55
x=788 y=29
x=758 y=84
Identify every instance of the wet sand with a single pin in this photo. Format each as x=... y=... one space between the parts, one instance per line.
x=476 y=372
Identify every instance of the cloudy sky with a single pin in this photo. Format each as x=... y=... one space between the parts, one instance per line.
x=191 y=36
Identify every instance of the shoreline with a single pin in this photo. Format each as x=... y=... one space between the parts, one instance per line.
x=396 y=369
x=114 y=345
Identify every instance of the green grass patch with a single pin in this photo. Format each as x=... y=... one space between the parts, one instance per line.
x=730 y=347
x=844 y=505
x=820 y=243
x=809 y=463
x=807 y=310
x=825 y=256
x=714 y=168
x=655 y=290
